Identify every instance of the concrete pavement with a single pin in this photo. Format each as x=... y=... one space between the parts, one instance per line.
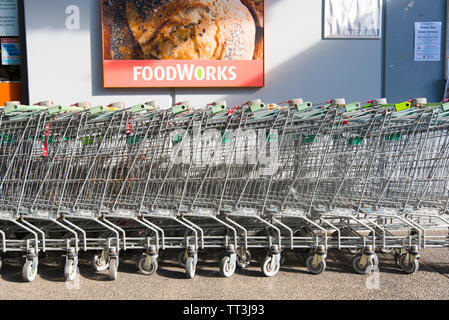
x=339 y=281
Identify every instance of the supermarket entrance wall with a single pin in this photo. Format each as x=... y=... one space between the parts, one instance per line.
x=64 y=54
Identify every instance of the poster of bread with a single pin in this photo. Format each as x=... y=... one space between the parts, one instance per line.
x=183 y=43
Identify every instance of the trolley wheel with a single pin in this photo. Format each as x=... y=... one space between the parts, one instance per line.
x=367 y=267
x=1 y=264
x=70 y=270
x=315 y=269
x=397 y=257
x=243 y=258
x=182 y=258
x=29 y=271
x=147 y=269
x=190 y=268
x=407 y=266
x=270 y=268
x=98 y=263
x=226 y=270
x=113 y=269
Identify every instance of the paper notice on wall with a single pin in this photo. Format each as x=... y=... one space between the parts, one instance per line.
x=353 y=19
x=428 y=41
x=10 y=51
x=9 y=23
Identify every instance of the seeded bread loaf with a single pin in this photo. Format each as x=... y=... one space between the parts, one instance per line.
x=192 y=29
x=122 y=44
x=108 y=21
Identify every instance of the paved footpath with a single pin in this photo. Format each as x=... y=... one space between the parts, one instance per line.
x=293 y=282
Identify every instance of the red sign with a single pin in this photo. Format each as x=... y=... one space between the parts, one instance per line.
x=183 y=43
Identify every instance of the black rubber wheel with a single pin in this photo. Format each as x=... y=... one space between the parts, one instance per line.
x=225 y=268
x=269 y=268
x=190 y=268
x=99 y=264
x=29 y=271
x=147 y=269
x=315 y=269
x=113 y=269
x=407 y=266
x=369 y=266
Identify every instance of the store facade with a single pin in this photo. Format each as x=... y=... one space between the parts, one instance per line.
x=64 y=57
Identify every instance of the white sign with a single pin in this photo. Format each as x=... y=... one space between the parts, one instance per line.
x=9 y=23
x=353 y=19
x=428 y=41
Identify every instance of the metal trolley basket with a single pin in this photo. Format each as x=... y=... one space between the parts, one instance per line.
x=293 y=176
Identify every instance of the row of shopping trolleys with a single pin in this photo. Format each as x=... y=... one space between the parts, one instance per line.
x=109 y=236
x=363 y=236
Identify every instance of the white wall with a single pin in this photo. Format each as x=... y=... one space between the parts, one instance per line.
x=66 y=66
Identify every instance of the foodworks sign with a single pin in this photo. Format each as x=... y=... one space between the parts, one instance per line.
x=172 y=73
x=179 y=43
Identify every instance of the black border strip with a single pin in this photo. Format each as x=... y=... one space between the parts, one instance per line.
x=23 y=55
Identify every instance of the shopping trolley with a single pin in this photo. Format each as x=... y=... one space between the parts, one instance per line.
x=292 y=176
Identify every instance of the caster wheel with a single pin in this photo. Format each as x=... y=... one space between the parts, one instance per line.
x=29 y=270
x=243 y=258
x=70 y=270
x=397 y=256
x=190 y=268
x=269 y=267
x=367 y=267
x=99 y=263
x=226 y=270
x=407 y=266
x=113 y=269
x=182 y=258
x=1 y=264
x=147 y=267
x=315 y=269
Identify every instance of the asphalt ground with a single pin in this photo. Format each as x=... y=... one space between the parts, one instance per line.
x=339 y=281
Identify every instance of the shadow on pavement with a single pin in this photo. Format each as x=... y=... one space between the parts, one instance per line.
x=208 y=267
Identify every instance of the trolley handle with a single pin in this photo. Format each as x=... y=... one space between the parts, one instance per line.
x=217 y=107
